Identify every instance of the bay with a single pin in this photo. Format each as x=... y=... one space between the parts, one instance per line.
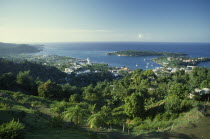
x=97 y=52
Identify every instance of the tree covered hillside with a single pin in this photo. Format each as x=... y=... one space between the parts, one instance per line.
x=136 y=104
x=11 y=48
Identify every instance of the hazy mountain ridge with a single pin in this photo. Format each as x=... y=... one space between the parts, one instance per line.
x=12 y=48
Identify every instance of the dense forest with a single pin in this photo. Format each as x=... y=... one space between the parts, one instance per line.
x=144 y=53
x=34 y=97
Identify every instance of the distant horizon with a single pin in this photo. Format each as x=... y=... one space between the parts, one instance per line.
x=101 y=42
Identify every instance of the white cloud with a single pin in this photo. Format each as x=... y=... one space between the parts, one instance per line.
x=8 y=34
x=91 y=31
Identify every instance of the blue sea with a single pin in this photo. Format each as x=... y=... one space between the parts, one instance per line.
x=97 y=52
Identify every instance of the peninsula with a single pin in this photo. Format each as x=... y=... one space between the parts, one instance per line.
x=181 y=61
x=12 y=48
x=144 y=53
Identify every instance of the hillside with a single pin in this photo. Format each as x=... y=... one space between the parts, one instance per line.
x=42 y=72
x=37 y=118
x=11 y=48
x=138 y=105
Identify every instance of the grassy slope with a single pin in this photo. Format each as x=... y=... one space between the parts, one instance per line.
x=34 y=112
x=198 y=129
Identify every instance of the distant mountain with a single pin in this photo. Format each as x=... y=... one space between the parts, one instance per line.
x=12 y=48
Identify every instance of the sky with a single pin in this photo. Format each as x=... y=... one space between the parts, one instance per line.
x=23 y=21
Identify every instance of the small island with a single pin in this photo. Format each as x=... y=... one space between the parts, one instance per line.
x=181 y=61
x=144 y=53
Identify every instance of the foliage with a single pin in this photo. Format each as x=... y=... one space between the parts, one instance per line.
x=98 y=67
x=75 y=98
x=96 y=120
x=50 y=90
x=75 y=114
x=11 y=48
x=83 y=80
x=205 y=84
x=13 y=129
x=59 y=107
x=56 y=121
x=90 y=94
x=26 y=81
x=134 y=106
x=7 y=80
x=69 y=90
x=39 y=71
x=144 y=53
x=178 y=89
x=174 y=104
x=139 y=101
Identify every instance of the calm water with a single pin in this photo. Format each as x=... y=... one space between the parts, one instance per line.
x=96 y=52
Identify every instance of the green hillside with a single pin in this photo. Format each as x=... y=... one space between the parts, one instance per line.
x=11 y=48
x=140 y=104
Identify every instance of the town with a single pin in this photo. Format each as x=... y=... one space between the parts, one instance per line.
x=71 y=65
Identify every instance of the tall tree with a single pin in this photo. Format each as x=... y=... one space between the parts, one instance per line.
x=134 y=105
x=7 y=81
x=75 y=114
x=26 y=81
x=50 y=90
x=96 y=120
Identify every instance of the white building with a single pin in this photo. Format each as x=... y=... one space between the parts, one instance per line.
x=88 y=61
x=68 y=70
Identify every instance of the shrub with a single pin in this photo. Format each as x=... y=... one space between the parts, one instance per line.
x=18 y=96
x=50 y=90
x=75 y=98
x=56 y=121
x=59 y=107
x=166 y=116
x=6 y=103
x=11 y=130
x=158 y=117
x=172 y=104
x=186 y=105
x=151 y=125
x=25 y=81
x=7 y=81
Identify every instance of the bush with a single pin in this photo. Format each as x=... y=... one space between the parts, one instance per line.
x=7 y=81
x=75 y=98
x=50 y=90
x=18 y=96
x=59 y=107
x=172 y=104
x=56 y=121
x=11 y=130
x=6 y=103
x=151 y=125
x=186 y=105
x=25 y=81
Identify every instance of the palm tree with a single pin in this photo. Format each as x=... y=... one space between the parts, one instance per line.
x=96 y=120
x=75 y=114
